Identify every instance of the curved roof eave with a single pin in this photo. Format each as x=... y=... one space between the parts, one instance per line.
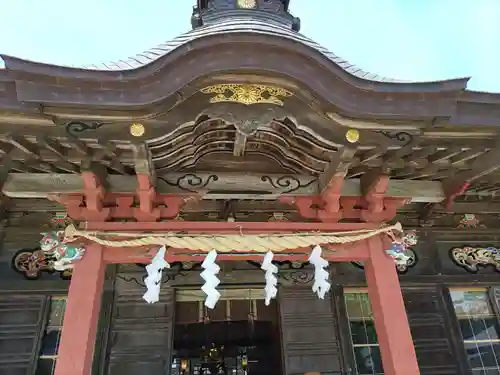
x=234 y=25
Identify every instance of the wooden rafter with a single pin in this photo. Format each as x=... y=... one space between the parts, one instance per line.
x=108 y=155
x=52 y=154
x=483 y=165
x=56 y=149
x=55 y=155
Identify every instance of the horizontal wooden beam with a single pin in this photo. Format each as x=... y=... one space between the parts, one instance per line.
x=223 y=227
x=208 y=206
x=213 y=186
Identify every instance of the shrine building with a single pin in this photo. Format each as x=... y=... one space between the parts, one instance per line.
x=242 y=201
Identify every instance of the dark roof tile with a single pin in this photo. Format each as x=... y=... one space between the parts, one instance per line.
x=235 y=25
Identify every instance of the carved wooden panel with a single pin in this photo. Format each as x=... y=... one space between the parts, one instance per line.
x=310 y=337
x=431 y=331
x=21 y=321
x=141 y=335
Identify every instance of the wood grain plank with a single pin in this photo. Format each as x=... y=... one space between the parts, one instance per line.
x=224 y=186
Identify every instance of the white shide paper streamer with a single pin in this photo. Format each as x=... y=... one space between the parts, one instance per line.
x=153 y=280
x=210 y=270
x=271 y=280
x=321 y=285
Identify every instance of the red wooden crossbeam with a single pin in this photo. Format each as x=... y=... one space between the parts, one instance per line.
x=336 y=253
x=219 y=227
x=372 y=207
x=146 y=205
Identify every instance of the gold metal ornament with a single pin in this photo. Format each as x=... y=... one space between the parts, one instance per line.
x=246 y=94
x=137 y=130
x=352 y=135
x=247 y=4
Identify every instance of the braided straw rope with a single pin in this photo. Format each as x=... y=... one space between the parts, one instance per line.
x=228 y=243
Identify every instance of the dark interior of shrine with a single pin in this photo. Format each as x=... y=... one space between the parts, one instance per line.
x=232 y=339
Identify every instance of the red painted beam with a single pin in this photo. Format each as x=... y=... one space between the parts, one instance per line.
x=335 y=253
x=391 y=322
x=79 y=331
x=225 y=227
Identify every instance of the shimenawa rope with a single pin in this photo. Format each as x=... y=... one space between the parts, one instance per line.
x=232 y=242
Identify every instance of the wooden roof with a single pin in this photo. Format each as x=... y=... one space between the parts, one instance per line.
x=230 y=25
x=57 y=119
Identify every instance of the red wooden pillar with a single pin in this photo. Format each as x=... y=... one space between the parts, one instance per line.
x=76 y=348
x=391 y=322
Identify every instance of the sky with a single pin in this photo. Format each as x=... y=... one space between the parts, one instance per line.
x=416 y=40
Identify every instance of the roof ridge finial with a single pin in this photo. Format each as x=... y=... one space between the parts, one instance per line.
x=214 y=11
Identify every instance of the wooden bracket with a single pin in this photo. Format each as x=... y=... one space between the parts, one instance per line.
x=89 y=204
x=121 y=206
x=147 y=196
x=173 y=205
x=373 y=206
x=307 y=206
x=325 y=207
x=352 y=208
x=374 y=185
x=331 y=211
x=93 y=192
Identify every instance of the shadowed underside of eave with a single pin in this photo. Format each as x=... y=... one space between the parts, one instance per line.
x=275 y=149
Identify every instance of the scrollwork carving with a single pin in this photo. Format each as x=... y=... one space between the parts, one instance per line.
x=404 y=138
x=297 y=277
x=291 y=271
x=167 y=276
x=287 y=184
x=76 y=128
x=191 y=181
x=32 y=263
x=470 y=258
